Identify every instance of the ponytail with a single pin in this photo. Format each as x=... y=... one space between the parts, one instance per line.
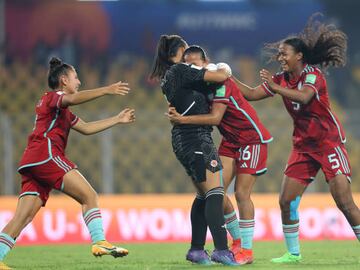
x=167 y=48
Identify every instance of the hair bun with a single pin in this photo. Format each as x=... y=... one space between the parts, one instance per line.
x=55 y=62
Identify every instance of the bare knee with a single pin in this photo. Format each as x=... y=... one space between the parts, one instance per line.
x=242 y=196
x=284 y=203
x=289 y=207
x=89 y=198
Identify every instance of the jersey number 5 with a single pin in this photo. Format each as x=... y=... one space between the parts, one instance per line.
x=296 y=106
x=334 y=161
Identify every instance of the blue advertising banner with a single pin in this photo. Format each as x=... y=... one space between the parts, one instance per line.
x=242 y=26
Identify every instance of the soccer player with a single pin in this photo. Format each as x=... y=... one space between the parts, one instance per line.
x=44 y=166
x=243 y=152
x=185 y=88
x=318 y=137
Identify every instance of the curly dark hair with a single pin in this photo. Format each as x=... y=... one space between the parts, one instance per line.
x=321 y=44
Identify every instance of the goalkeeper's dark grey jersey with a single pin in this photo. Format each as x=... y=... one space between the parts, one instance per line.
x=185 y=89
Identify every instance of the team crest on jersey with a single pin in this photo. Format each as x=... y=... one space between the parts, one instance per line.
x=214 y=163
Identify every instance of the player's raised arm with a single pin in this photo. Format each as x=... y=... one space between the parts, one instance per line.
x=251 y=93
x=303 y=97
x=126 y=116
x=216 y=76
x=196 y=59
x=119 y=88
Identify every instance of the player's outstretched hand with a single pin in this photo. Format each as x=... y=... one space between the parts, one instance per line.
x=173 y=116
x=266 y=76
x=126 y=116
x=119 y=88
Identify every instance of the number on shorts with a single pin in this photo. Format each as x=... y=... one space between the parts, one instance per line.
x=245 y=154
x=334 y=161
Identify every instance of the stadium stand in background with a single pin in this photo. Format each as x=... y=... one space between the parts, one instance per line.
x=138 y=158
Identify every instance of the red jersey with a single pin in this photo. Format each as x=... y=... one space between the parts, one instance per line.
x=316 y=127
x=51 y=130
x=240 y=124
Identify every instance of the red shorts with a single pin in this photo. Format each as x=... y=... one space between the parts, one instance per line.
x=250 y=159
x=304 y=166
x=39 y=180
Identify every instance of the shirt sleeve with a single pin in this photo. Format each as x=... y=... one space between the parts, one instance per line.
x=314 y=80
x=265 y=86
x=55 y=99
x=223 y=93
x=73 y=118
x=192 y=74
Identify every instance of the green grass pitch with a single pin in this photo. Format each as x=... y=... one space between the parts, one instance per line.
x=317 y=255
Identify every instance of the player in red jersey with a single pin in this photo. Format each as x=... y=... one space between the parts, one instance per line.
x=44 y=166
x=318 y=137
x=243 y=152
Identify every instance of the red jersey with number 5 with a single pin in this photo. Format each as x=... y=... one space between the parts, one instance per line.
x=240 y=124
x=51 y=130
x=316 y=127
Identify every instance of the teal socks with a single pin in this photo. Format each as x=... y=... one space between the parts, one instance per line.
x=6 y=244
x=93 y=221
x=291 y=234
x=356 y=231
x=232 y=225
x=247 y=232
